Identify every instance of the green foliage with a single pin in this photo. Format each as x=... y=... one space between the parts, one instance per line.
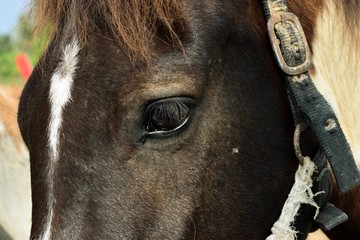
x=5 y=44
x=8 y=71
x=22 y=40
x=27 y=41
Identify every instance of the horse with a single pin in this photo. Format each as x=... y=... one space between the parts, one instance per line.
x=169 y=119
x=15 y=197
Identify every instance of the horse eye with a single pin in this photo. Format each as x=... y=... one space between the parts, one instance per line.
x=166 y=117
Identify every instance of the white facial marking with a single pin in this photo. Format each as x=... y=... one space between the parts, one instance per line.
x=60 y=95
x=336 y=51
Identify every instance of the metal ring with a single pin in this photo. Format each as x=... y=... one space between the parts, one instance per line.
x=299 y=128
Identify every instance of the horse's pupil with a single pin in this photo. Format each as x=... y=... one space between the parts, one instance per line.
x=167 y=115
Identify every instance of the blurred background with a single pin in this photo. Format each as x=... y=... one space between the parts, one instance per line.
x=19 y=47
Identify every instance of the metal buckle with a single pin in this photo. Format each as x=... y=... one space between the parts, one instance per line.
x=275 y=43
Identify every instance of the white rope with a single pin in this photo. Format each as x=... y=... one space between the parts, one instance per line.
x=300 y=193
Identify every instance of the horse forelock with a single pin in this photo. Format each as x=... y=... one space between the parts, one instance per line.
x=133 y=24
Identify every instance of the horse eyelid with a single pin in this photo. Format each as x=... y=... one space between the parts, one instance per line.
x=167 y=133
x=183 y=106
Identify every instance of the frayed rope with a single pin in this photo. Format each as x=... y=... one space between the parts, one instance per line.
x=300 y=193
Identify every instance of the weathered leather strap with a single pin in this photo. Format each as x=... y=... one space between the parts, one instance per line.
x=307 y=103
x=310 y=106
x=272 y=6
x=330 y=217
x=311 y=109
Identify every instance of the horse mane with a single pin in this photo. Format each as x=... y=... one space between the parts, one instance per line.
x=136 y=25
x=351 y=10
x=336 y=50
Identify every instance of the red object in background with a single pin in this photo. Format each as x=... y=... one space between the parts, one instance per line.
x=23 y=66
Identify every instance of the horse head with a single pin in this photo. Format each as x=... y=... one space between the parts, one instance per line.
x=160 y=120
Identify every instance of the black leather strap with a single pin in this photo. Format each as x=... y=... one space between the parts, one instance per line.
x=308 y=104
x=311 y=109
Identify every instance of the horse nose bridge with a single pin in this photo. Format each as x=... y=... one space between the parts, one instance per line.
x=59 y=96
x=141 y=201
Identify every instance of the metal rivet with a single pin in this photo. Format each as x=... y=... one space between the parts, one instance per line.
x=330 y=125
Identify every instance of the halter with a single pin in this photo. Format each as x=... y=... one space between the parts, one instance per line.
x=310 y=109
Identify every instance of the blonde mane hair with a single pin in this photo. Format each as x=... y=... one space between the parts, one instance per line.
x=336 y=49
